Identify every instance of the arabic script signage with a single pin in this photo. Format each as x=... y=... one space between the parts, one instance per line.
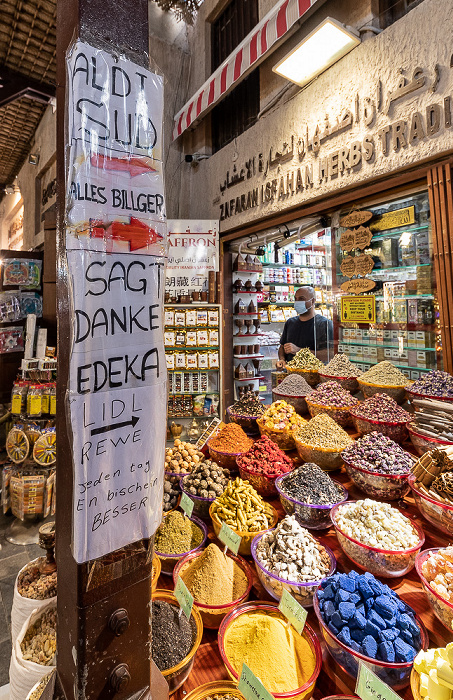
x=115 y=240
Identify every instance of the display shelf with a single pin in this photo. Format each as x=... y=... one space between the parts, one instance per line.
x=194 y=393
x=190 y=348
x=249 y=379
x=253 y=272
x=419 y=369
x=204 y=304
x=251 y=313
x=246 y=291
x=247 y=335
x=407 y=296
x=303 y=267
x=399 y=268
x=193 y=369
x=397 y=232
x=248 y=357
x=382 y=345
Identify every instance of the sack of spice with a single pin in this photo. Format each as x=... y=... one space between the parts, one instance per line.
x=33 y=652
x=262 y=464
x=33 y=590
x=278 y=422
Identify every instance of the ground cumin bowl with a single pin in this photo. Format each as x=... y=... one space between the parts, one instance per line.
x=304 y=692
x=442 y=609
x=177 y=675
x=245 y=547
x=302 y=591
x=169 y=561
x=212 y=615
x=226 y=460
x=384 y=563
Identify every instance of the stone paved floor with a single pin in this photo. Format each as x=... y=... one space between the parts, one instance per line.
x=12 y=559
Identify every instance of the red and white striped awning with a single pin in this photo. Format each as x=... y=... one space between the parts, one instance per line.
x=249 y=53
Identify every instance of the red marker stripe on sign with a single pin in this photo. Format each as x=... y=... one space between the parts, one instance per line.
x=189 y=113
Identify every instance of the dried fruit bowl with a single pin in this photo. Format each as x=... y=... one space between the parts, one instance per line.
x=247 y=536
x=380 y=562
x=395 y=430
x=398 y=393
x=283 y=438
x=438 y=514
x=304 y=692
x=310 y=515
x=396 y=675
x=327 y=459
x=212 y=615
x=442 y=609
x=423 y=443
x=390 y=487
x=169 y=561
x=247 y=423
x=349 y=383
x=274 y=585
x=177 y=675
x=265 y=485
x=297 y=402
x=200 y=505
x=311 y=376
x=341 y=415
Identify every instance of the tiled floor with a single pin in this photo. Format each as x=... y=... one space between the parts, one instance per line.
x=12 y=558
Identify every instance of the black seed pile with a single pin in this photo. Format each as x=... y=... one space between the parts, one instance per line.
x=172 y=637
x=310 y=484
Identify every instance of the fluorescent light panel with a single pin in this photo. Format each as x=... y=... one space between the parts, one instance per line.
x=323 y=47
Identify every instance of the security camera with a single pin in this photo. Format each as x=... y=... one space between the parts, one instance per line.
x=195 y=157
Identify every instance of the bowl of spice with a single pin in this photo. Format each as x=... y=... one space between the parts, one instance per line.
x=182 y=458
x=306 y=364
x=286 y=662
x=155 y=573
x=203 y=485
x=245 y=412
x=227 y=444
x=278 y=422
x=322 y=441
x=176 y=537
x=262 y=464
x=435 y=385
x=332 y=399
x=293 y=389
x=340 y=369
x=423 y=441
x=175 y=639
x=310 y=494
x=363 y=620
x=218 y=582
x=384 y=378
x=380 y=412
x=379 y=466
x=431 y=483
x=243 y=509
x=288 y=557
x=434 y=568
x=216 y=690
x=377 y=537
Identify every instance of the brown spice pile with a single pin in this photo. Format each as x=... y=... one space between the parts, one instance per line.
x=215 y=579
x=231 y=439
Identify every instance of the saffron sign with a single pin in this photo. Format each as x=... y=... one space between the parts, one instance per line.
x=193 y=251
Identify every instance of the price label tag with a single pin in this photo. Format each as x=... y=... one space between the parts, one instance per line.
x=293 y=611
x=370 y=687
x=184 y=597
x=186 y=504
x=251 y=687
x=230 y=538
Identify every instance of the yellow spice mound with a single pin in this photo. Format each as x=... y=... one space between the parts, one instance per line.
x=280 y=657
x=215 y=579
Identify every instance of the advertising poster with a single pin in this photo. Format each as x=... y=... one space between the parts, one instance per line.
x=116 y=239
x=193 y=251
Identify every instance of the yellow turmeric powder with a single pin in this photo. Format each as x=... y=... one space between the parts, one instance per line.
x=280 y=657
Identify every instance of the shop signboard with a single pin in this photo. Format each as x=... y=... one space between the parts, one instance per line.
x=193 y=252
x=116 y=244
x=358 y=309
x=394 y=219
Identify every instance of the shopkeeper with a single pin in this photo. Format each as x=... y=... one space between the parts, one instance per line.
x=306 y=330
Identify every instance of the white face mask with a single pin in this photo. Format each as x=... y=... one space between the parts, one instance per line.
x=300 y=307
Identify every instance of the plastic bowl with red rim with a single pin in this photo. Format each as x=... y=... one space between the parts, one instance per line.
x=414 y=395
x=227 y=460
x=306 y=690
x=212 y=615
x=169 y=561
x=442 y=609
x=311 y=515
x=247 y=423
x=423 y=443
x=264 y=484
x=395 y=430
x=390 y=487
x=380 y=562
x=396 y=675
x=397 y=392
x=349 y=383
x=302 y=591
x=299 y=403
x=438 y=514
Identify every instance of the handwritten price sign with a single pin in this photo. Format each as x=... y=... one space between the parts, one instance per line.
x=184 y=597
x=370 y=687
x=251 y=687
x=187 y=504
x=293 y=611
x=230 y=538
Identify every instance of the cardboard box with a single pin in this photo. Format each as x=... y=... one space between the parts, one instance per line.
x=420 y=339
x=415 y=374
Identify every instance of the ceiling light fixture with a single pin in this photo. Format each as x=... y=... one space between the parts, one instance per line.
x=323 y=47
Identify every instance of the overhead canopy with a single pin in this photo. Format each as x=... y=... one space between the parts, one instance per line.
x=258 y=44
x=27 y=76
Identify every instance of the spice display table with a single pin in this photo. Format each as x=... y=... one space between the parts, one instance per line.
x=208 y=664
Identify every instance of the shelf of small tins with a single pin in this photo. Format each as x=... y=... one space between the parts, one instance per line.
x=247 y=289
x=192 y=337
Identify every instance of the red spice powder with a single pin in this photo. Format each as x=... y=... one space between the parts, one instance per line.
x=231 y=439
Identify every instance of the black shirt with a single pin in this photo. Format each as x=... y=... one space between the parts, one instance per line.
x=302 y=333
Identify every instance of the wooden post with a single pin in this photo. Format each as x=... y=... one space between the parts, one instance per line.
x=104 y=616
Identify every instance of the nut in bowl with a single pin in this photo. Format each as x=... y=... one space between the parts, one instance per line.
x=383 y=523
x=443 y=609
x=311 y=515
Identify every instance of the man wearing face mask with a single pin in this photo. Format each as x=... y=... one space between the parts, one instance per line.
x=306 y=330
